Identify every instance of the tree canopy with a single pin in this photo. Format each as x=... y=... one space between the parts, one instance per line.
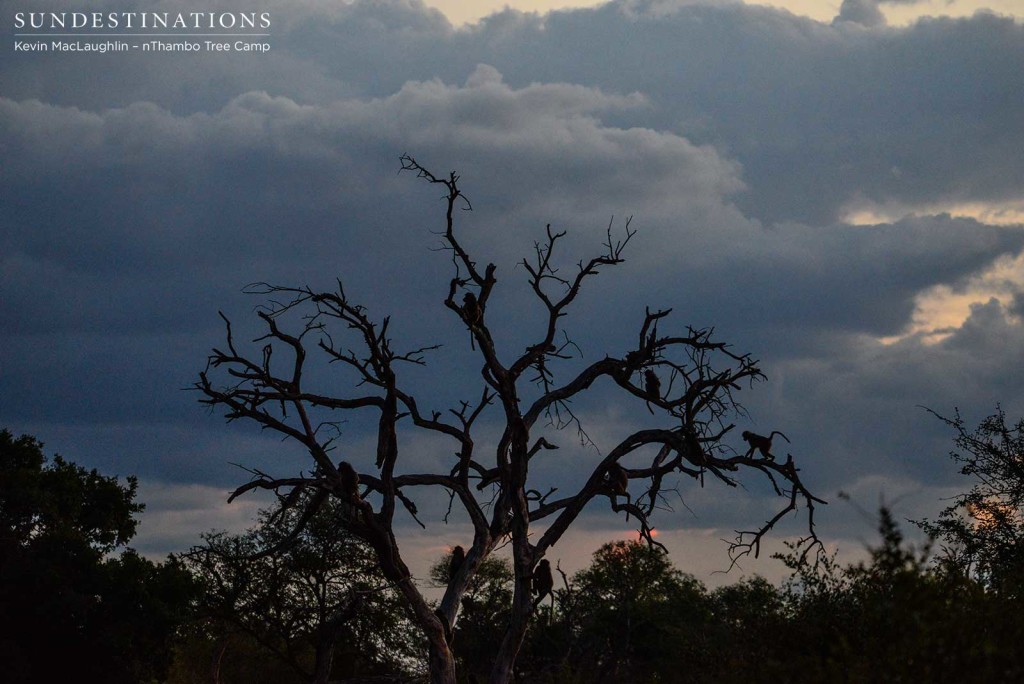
x=80 y=605
x=319 y=605
x=982 y=529
x=73 y=610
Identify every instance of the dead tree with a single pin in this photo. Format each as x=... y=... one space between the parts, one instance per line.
x=490 y=482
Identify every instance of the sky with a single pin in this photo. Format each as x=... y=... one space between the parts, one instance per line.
x=836 y=188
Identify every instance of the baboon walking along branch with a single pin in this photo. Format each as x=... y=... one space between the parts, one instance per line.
x=687 y=380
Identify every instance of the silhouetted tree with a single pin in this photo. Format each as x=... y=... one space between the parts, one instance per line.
x=746 y=639
x=982 y=530
x=896 y=617
x=628 y=617
x=319 y=605
x=72 y=610
x=492 y=483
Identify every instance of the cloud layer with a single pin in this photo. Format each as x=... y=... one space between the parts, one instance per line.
x=143 y=191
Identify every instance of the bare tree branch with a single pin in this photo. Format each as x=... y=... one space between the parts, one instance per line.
x=688 y=382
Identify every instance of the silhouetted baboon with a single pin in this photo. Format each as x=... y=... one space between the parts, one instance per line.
x=456 y=561
x=652 y=385
x=349 y=480
x=474 y=314
x=471 y=309
x=543 y=582
x=618 y=480
x=350 y=485
x=761 y=443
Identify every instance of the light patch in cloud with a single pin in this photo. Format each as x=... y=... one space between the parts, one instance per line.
x=877 y=13
x=943 y=309
x=902 y=14
x=176 y=515
x=815 y=9
x=864 y=212
x=899 y=13
x=863 y=12
x=460 y=12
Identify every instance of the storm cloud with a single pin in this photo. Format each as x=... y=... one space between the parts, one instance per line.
x=820 y=193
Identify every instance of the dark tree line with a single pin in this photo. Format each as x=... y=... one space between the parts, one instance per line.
x=903 y=614
x=899 y=616
x=75 y=603
x=79 y=605
x=318 y=607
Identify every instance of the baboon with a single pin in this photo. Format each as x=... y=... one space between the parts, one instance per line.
x=617 y=480
x=543 y=582
x=472 y=310
x=349 y=480
x=455 y=562
x=652 y=385
x=473 y=313
x=350 y=485
x=761 y=443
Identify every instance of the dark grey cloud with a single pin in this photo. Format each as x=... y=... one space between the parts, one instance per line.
x=817 y=115
x=142 y=192
x=885 y=387
x=867 y=12
x=1017 y=306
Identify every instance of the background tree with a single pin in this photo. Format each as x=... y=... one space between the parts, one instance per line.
x=628 y=617
x=72 y=610
x=747 y=636
x=483 y=614
x=982 y=530
x=319 y=605
x=686 y=381
x=894 y=618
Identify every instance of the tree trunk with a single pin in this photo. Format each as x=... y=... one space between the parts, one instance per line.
x=324 y=661
x=522 y=552
x=442 y=662
x=218 y=658
x=504 y=662
x=501 y=672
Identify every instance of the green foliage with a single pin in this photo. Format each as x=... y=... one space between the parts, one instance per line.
x=60 y=500
x=483 y=615
x=319 y=599
x=72 y=610
x=982 y=531
x=629 y=617
x=898 y=617
x=743 y=636
x=639 y=614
